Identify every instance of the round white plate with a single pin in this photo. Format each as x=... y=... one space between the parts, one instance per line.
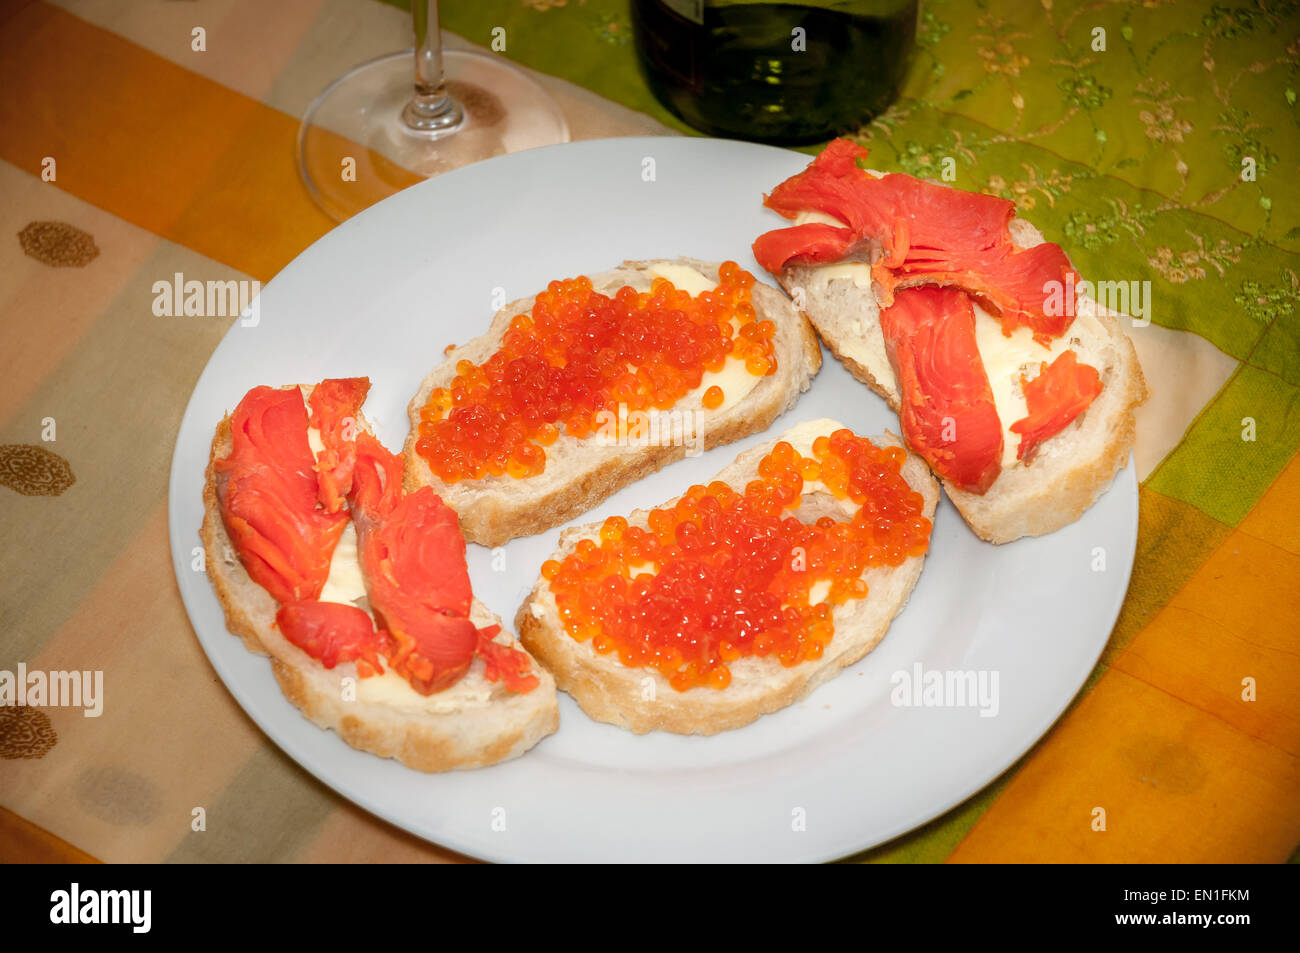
x=841 y=771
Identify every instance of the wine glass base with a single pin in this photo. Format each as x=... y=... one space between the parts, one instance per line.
x=354 y=148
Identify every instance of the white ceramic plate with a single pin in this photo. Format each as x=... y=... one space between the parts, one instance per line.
x=845 y=769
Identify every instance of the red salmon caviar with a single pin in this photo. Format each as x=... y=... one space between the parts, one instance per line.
x=722 y=575
x=566 y=366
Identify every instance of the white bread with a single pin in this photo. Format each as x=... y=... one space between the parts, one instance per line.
x=581 y=472
x=1070 y=470
x=476 y=722
x=609 y=691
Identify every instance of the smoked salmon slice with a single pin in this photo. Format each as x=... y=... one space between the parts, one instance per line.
x=413 y=559
x=946 y=402
x=1062 y=391
x=332 y=632
x=335 y=405
x=267 y=489
x=916 y=233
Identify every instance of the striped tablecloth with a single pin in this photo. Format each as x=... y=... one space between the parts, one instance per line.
x=1156 y=143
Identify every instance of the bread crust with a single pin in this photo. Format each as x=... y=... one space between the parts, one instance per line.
x=472 y=736
x=579 y=473
x=1058 y=487
x=1023 y=508
x=610 y=692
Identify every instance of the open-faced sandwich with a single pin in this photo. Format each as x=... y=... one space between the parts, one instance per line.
x=358 y=591
x=598 y=381
x=739 y=597
x=1017 y=388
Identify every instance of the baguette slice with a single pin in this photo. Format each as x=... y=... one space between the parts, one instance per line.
x=469 y=725
x=1070 y=470
x=611 y=692
x=581 y=472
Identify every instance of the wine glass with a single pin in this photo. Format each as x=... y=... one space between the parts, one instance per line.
x=407 y=116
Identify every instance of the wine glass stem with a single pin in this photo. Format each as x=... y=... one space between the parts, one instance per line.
x=432 y=110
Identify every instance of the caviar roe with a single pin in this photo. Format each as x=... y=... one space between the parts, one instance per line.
x=576 y=357
x=724 y=575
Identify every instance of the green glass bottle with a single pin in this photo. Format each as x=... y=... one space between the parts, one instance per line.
x=789 y=73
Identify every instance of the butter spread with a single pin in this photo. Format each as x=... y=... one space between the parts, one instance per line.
x=345 y=583
x=736 y=382
x=684 y=277
x=314 y=441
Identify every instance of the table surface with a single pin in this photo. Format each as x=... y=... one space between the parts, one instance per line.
x=1157 y=144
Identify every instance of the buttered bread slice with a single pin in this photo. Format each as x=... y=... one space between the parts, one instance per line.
x=741 y=596
x=437 y=690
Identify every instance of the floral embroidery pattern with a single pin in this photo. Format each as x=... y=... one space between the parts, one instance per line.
x=1178 y=267
x=33 y=470
x=614 y=30
x=483 y=106
x=543 y=5
x=25 y=732
x=117 y=795
x=58 y=244
x=1265 y=304
x=1161 y=121
x=1026 y=192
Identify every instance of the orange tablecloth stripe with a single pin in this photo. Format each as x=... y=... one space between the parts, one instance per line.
x=1170 y=739
x=213 y=178
x=22 y=842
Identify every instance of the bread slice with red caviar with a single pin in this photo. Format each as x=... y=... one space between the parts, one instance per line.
x=473 y=723
x=581 y=470
x=1069 y=471
x=643 y=698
